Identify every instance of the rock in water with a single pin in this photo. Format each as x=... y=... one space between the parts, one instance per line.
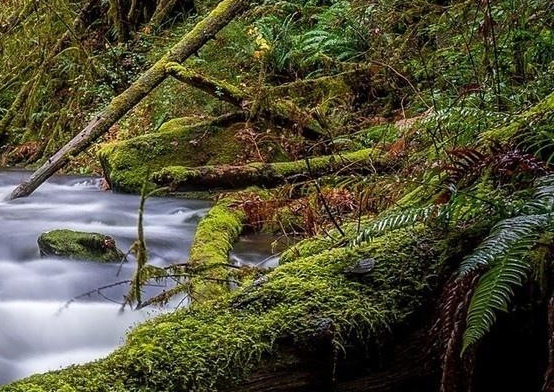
x=78 y=245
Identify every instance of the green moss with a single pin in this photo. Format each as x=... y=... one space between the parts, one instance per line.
x=213 y=240
x=79 y=245
x=212 y=346
x=127 y=164
x=529 y=118
x=325 y=92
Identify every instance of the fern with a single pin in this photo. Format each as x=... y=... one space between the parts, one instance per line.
x=495 y=290
x=462 y=206
x=505 y=236
x=505 y=252
x=395 y=221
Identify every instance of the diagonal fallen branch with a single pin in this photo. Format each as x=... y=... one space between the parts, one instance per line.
x=206 y=29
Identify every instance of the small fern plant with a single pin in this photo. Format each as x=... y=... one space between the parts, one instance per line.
x=505 y=255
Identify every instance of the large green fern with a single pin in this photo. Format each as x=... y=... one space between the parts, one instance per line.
x=505 y=253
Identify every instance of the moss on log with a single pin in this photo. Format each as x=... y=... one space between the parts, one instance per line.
x=314 y=91
x=213 y=240
x=267 y=174
x=126 y=164
x=306 y=313
x=529 y=119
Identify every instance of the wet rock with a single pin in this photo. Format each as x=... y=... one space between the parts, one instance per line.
x=78 y=245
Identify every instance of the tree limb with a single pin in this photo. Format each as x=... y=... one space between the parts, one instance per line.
x=280 y=110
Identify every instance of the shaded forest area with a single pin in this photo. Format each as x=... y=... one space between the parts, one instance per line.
x=401 y=151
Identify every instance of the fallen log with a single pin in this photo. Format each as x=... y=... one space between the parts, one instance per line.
x=279 y=110
x=206 y=29
x=126 y=164
x=526 y=121
x=181 y=178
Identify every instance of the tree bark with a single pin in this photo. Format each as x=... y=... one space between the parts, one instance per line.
x=267 y=174
x=120 y=105
x=163 y=9
x=405 y=369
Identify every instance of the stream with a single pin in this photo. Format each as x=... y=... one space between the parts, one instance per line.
x=39 y=331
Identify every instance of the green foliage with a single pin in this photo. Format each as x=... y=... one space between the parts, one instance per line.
x=459 y=125
x=505 y=253
x=395 y=220
x=308 y=40
x=462 y=206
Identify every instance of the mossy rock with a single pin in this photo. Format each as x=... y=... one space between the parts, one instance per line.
x=127 y=164
x=78 y=245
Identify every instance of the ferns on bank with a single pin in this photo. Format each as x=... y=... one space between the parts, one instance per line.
x=503 y=254
x=506 y=252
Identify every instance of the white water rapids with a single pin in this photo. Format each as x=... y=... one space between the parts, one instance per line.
x=36 y=332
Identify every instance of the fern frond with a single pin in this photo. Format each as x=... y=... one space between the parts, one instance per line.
x=543 y=198
x=505 y=251
x=495 y=290
x=504 y=236
x=395 y=221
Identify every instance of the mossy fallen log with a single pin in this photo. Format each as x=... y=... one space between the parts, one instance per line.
x=126 y=164
x=542 y=112
x=314 y=91
x=281 y=110
x=268 y=174
x=307 y=316
x=209 y=254
x=206 y=274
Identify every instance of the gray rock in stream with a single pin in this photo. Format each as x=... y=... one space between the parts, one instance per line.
x=78 y=245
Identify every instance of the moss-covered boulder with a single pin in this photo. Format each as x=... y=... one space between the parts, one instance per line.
x=78 y=245
x=127 y=163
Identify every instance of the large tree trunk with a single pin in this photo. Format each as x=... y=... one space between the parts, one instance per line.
x=120 y=105
x=405 y=369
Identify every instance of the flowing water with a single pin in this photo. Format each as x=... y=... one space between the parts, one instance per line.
x=37 y=333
